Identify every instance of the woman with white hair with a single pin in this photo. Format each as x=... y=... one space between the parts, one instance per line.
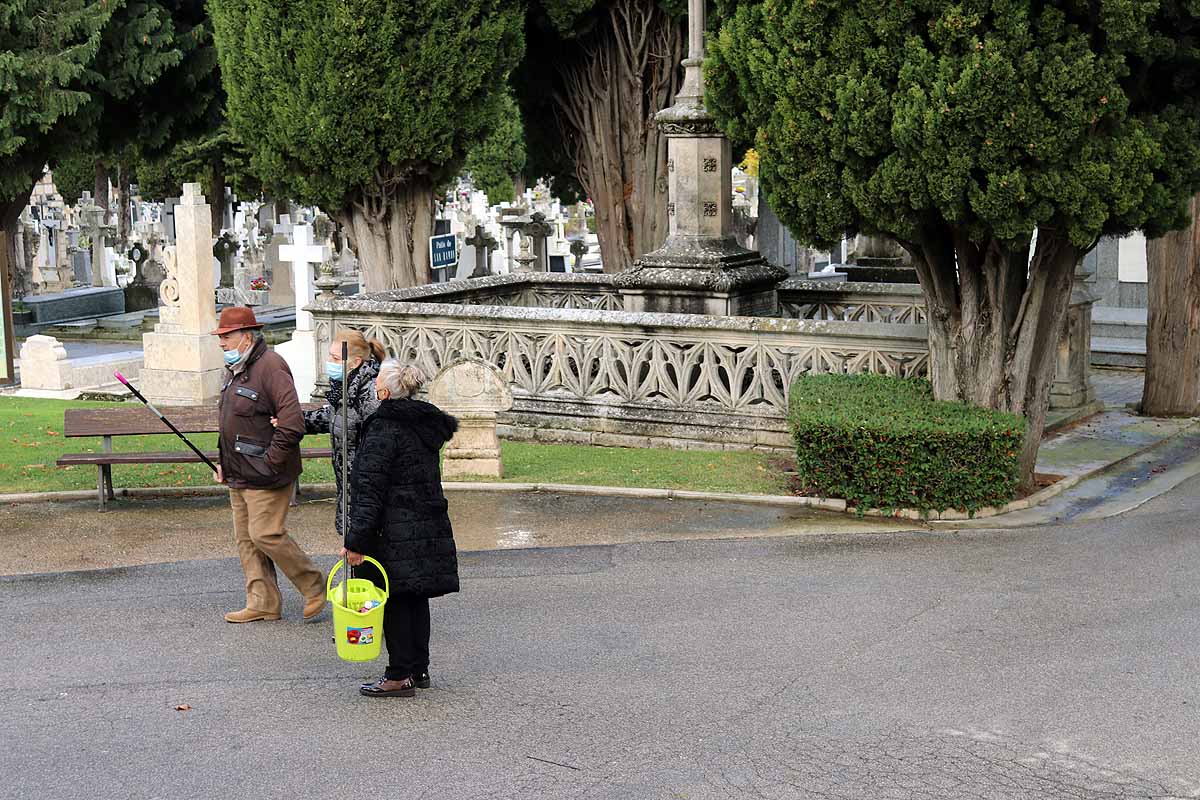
x=399 y=517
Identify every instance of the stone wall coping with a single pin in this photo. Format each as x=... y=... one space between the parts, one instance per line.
x=347 y=308
x=513 y=280
x=850 y=287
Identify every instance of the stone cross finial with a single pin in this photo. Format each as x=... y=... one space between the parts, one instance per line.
x=538 y=230
x=484 y=243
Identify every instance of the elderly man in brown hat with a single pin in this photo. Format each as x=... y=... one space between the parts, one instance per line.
x=260 y=462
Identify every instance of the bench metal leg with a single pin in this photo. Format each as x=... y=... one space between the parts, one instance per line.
x=295 y=494
x=104 y=480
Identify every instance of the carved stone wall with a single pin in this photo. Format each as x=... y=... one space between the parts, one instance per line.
x=625 y=379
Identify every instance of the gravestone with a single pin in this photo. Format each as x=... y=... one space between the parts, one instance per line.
x=539 y=231
x=279 y=272
x=474 y=393
x=168 y=219
x=482 y=244
x=47 y=371
x=224 y=250
x=183 y=363
x=93 y=225
x=301 y=352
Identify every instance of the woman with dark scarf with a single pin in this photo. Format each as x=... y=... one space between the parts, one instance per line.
x=362 y=366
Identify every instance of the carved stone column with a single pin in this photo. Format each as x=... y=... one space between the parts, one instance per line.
x=700 y=269
x=1071 y=387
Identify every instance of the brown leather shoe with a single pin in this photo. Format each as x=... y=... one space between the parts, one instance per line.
x=250 y=615
x=313 y=606
x=386 y=688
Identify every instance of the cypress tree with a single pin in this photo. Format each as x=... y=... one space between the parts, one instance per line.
x=960 y=129
x=365 y=108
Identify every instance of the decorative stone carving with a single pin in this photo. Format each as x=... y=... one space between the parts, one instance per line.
x=475 y=393
x=636 y=379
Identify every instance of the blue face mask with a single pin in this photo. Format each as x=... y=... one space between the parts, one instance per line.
x=232 y=357
x=334 y=370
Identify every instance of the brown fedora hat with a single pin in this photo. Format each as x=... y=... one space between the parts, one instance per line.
x=236 y=318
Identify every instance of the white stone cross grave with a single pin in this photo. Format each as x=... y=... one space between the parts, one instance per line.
x=301 y=352
x=304 y=254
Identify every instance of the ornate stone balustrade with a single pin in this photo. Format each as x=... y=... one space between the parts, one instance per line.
x=524 y=290
x=852 y=302
x=580 y=374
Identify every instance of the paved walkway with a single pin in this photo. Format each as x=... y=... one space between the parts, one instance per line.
x=1050 y=663
x=48 y=537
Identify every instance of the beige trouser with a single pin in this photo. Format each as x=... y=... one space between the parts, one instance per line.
x=259 y=525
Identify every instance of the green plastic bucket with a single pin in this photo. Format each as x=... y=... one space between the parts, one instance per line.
x=358 y=634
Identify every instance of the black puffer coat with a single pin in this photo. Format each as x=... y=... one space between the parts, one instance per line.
x=398 y=515
x=328 y=419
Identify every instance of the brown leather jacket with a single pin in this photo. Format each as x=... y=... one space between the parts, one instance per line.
x=255 y=454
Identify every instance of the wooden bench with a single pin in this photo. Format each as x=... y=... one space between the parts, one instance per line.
x=140 y=421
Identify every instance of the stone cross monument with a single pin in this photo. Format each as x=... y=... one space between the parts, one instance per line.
x=700 y=269
x=484 y=243
x=183 y=363
x=301 y=353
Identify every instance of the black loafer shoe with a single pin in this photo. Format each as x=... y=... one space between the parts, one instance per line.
x=386 y=688
x=422 y=681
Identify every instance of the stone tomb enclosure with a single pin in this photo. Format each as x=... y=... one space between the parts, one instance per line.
x=474 y=392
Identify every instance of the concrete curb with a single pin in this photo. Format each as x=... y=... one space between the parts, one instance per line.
x=783 y=501
x=935 y=518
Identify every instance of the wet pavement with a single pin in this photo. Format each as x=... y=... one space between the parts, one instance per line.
x=1055 y=662
x=1102 y=440
x=54 y=536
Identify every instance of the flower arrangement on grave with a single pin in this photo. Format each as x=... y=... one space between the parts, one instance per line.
x=259 y=284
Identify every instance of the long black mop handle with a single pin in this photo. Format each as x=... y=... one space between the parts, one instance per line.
x=166 y=421
x=345 y=466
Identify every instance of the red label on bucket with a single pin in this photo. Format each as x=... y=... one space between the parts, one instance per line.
x=360 y=635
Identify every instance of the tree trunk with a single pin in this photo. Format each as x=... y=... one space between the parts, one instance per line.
x=100 y=186
x=122 y=204
x=628 y=70
x=215 y=192
x=10 y=216
x=390 y=231
x=1172 y=386
x=994 y=325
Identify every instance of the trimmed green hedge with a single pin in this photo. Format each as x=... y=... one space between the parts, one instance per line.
x=882 y=442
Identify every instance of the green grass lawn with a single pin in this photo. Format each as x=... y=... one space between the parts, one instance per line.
x=31 y=440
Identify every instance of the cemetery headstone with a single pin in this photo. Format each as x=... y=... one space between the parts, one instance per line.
x=482 y=244
x=183 y=363
x=539 y=231
x=224 y=250
x=301 y=352
x=474 y=393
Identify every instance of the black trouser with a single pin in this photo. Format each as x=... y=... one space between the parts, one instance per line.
x=406 y=632
x=405 y=629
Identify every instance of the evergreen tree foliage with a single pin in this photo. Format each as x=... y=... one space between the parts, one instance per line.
x=363 y=107
x=74 y=174
x=159 y=79
x=959 y=128
x=494 y=162
x=47 y=53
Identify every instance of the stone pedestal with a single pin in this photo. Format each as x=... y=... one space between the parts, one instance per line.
x=1072 y=387
x=183 y=364
x=701 y=269
x=47 y=371
x=475 y=393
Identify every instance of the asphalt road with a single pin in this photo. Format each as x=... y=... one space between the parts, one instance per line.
x=1041 y=663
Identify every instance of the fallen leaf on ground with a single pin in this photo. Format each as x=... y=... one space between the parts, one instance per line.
x=184 y=707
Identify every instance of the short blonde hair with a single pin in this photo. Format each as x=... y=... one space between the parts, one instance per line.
x=401 y=380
